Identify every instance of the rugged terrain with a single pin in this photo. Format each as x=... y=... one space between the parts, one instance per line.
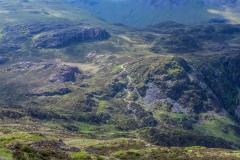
x=76 y=87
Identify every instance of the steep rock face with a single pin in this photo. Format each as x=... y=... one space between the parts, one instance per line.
x=212 y=86
x=221 y=76
x=232 y=67
x=196 y=94
x=174 y=84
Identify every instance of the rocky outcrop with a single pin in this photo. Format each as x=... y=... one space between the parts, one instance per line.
x=58 y=73
x=154 y=96
x=64 y=73
x=46 y=35
x=19 y=32
x=61 y=38
x=171 y=83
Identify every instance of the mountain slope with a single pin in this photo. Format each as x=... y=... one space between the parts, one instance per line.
x=140 y=13
x=76 y=87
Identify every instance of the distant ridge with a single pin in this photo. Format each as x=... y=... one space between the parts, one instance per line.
x=140 y=13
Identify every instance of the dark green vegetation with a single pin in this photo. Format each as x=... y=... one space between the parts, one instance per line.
x=76 y=87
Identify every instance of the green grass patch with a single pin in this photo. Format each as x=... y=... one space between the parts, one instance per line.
x=218 y=127
x=86 y=127
x=5 y=154
x=175 y=71
x=18 y=136
x=81 y=156
x=118 y=68
x=177 y=115
x=102 y=105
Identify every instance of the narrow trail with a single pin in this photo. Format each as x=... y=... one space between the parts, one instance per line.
x=130 y=82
